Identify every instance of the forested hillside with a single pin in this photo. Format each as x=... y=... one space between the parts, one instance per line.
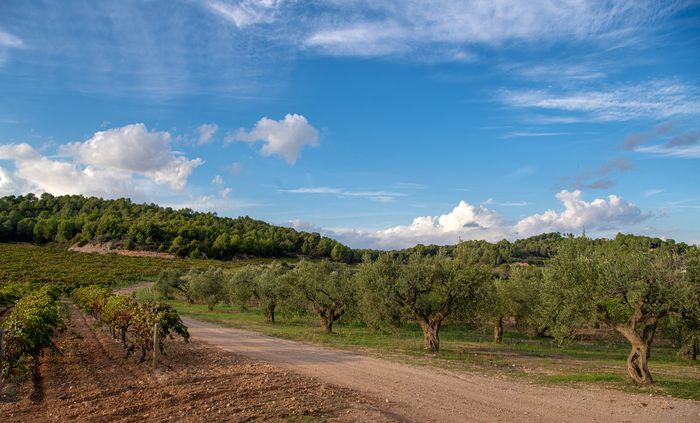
x=74 y=219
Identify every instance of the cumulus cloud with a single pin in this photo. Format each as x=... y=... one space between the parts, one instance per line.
x=206 y=132
x=117 y=162
x=578 y=214
x=468 y=221
x=284 y=138
x=217 y=180
x=133 y=148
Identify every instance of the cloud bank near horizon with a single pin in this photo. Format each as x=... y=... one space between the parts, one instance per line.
x=477 y=222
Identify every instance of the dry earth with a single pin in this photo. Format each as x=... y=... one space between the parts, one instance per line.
x=106 y=248
x=86 y=379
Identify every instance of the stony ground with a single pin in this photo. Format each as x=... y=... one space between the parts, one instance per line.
x=86 y=378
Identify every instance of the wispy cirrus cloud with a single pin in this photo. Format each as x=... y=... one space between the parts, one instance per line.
x=657 y=99
x=448 y=29
x=8 y=42
x=666 y=140
x=379 y=196
x=245 y=13
x=600 y=177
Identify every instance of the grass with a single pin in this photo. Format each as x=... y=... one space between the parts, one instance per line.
x=468 y=349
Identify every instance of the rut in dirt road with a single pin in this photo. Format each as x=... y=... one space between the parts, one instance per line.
x=431 y=394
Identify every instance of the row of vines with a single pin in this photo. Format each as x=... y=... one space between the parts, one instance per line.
x=129 y=320
x=29 y=328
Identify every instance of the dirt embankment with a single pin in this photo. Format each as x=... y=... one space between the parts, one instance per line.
x=107 y=248
x=87 y=379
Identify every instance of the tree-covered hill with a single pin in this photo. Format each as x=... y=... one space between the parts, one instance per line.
x=71 y=219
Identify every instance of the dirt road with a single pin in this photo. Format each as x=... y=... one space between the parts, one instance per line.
x=431 y=394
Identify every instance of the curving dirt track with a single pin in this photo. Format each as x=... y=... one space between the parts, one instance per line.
x=431 y=394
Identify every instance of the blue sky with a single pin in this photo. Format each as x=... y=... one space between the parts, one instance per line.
x=383 y=124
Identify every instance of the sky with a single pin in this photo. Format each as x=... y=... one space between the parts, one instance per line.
x=382 y=124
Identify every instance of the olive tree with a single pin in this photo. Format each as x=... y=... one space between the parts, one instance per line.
x=515 y=296
x=206 y=285
x=684 y=326
x=326 y=288
x=171 y=281
x=428 y=287
x=628 y=287
x=268 y=285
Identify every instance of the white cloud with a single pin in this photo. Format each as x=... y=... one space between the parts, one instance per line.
x=684 y=152
x=206 y=132
x=8 y=40
x=284 y=138
x=578 y=214
x=244 y=13
x=123 y=161
x=467 y=221
x=217 y=180
x=653 y=192
x=657 y=99
x=134 y=149
x=442 y=30
x=395 y=27
x=37 y=173
x=379 y=196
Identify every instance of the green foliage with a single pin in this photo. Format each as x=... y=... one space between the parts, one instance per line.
x=11 y=292
x=29 y=328
x=325 y=288
x=133 y=321
x=206 y=285
x=78 y=219
x=430 y=288
x=170 y=282
x=92 y=298
x=268 y=285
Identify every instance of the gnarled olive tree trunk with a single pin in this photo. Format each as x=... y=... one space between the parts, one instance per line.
x=328 y=315
x=498 y=331
x=638 y=358
x=430 y=325
x=270 y=312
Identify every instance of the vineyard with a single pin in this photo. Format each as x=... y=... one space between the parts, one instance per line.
x=67 y=269
x=134 y=322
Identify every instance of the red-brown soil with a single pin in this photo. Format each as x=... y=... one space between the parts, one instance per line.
x=86 y=378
